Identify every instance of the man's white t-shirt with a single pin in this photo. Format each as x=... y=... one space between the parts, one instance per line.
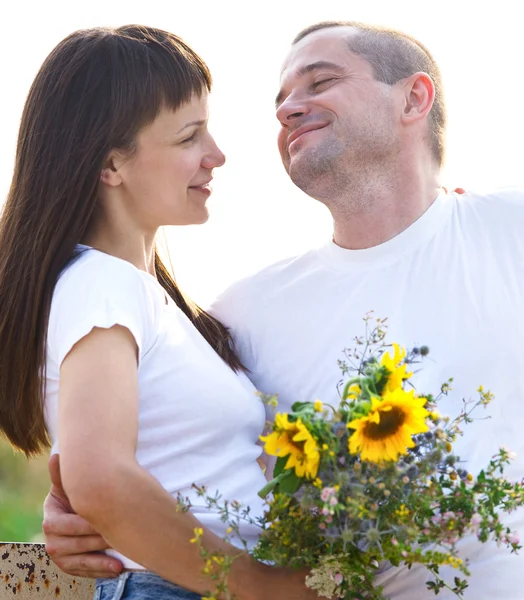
x=454 y=281
x=199 y=422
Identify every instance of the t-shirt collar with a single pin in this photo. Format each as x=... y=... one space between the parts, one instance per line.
x=421 y=230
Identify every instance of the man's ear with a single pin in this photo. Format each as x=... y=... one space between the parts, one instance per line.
x=110 y=174
x=419 y=94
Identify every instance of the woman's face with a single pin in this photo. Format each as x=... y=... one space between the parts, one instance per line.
x=167 y=179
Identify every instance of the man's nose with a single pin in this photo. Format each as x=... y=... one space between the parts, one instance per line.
x=292 y=108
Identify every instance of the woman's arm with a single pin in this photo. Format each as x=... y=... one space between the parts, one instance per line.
x=98 y=428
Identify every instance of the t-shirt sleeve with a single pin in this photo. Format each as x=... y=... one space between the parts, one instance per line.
x=99 y=292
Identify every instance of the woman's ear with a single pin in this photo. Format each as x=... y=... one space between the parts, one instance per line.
x=110 y=174
x=419 y=94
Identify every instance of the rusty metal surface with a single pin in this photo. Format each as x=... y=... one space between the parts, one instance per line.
x=26 y=571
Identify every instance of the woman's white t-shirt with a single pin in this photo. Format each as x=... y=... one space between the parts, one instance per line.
x=199 y=421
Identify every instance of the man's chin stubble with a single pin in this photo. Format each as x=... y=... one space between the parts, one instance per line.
x=315 y=175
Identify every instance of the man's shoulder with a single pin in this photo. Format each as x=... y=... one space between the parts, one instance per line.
x=270 y=276
x=505 y=201
x=258 y=289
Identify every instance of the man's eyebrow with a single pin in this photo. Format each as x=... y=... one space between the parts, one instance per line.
x=320 y=64
x=190 y=124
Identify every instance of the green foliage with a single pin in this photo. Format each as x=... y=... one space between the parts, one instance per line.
x=23 y=486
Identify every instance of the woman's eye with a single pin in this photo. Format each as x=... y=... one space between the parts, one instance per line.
x=190 y=138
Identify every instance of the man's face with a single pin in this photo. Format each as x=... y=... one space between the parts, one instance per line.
x=336 y=120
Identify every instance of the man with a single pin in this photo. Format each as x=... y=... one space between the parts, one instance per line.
x=362 y=127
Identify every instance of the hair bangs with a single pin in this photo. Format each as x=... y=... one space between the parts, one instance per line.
x=160 y=71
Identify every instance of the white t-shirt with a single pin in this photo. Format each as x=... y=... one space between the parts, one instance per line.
x=199 y=422
x=454 y=281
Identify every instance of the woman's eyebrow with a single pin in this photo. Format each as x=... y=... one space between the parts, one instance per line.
x=190 y=124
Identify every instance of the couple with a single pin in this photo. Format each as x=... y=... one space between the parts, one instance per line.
x=146 y=392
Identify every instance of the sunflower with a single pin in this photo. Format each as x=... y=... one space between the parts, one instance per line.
x=397 y=370
x=293 y=439
x=387 y=430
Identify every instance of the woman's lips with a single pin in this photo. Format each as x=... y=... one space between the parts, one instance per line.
x=203 y=188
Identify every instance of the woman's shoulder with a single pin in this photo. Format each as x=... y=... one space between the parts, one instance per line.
x=92 y=271
x=100 y=290
x=88 y=264
x=93 y=280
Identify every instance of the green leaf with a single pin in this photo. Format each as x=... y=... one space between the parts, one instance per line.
x=280 y=465
x=290 y=483
x=300 y=406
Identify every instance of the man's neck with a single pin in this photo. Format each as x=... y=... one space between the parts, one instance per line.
x=383 y=211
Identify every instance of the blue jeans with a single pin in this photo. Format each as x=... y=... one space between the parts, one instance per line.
x=138 y=585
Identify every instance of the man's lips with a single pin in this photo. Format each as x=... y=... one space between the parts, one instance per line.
x=303 y=129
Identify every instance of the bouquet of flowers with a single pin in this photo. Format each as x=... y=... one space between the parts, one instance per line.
x=374 y=480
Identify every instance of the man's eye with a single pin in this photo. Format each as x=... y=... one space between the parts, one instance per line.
x=189 y=139
x=318 y=83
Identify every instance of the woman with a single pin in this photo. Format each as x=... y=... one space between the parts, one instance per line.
x=99 y=350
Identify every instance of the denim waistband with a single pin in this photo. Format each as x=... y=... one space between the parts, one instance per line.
x=141 y=585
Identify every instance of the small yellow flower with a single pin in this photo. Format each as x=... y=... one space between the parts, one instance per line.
x=387 y=430
x=318 y=406
x=318 y=483
x=485 y=396
x=453 y=561
x=199 y=532
x=397 y=371
x=402 y=511
x=353 y=392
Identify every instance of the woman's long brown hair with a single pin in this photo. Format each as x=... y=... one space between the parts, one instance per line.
x=93 y=93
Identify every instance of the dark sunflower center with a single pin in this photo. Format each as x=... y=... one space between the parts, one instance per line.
x=390 y=422
x=299 y=446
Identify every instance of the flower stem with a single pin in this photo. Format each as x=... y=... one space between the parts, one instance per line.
x=270 y=485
